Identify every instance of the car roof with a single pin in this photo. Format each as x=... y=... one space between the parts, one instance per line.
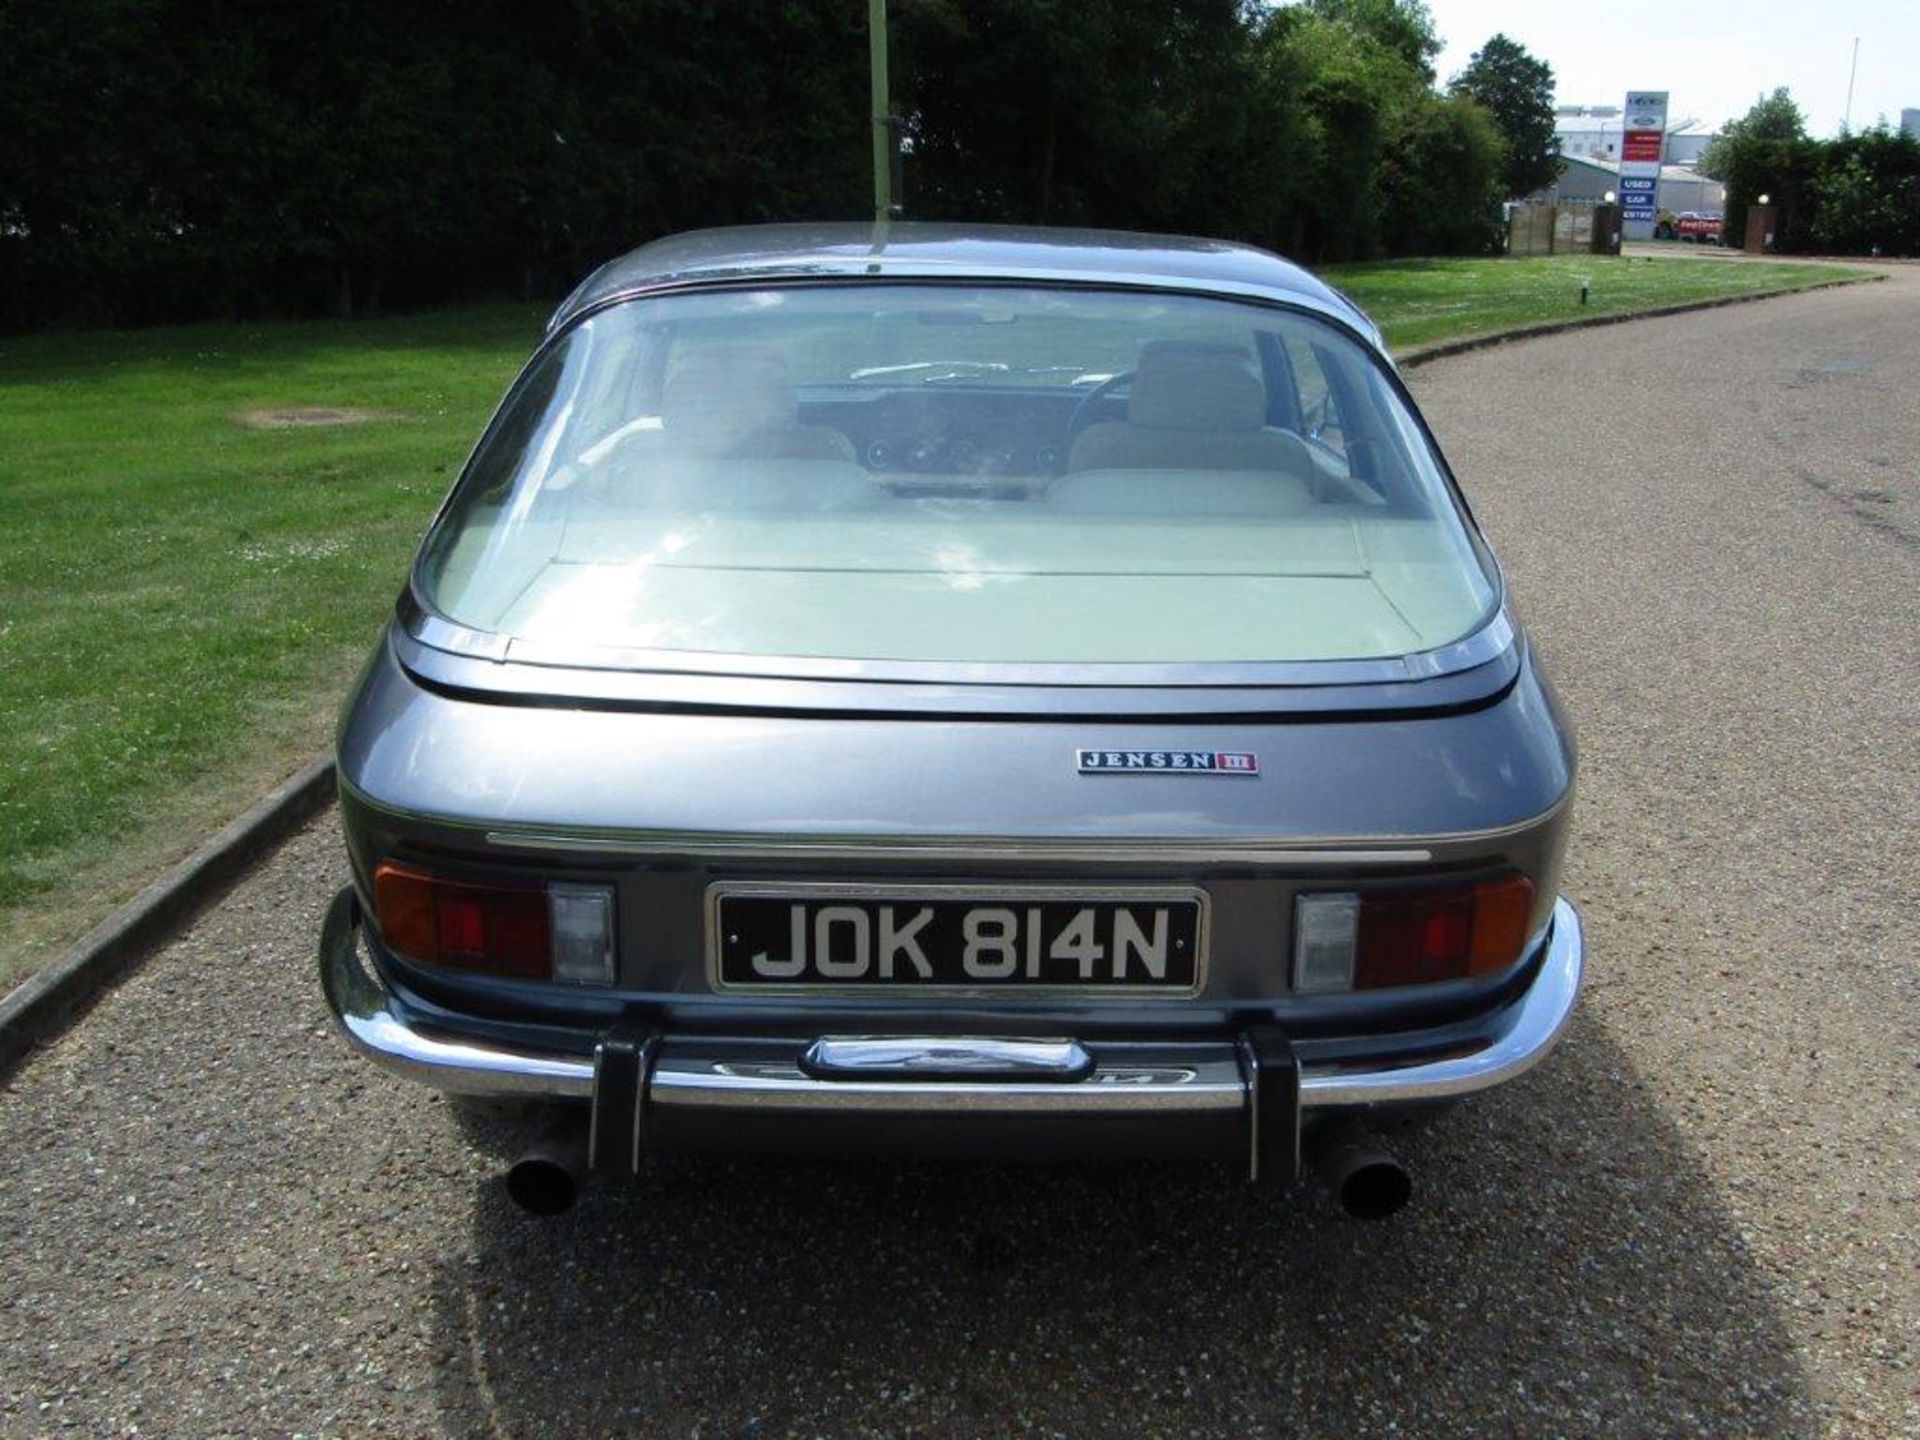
x=899 y=250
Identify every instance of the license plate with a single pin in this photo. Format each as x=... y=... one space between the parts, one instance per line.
x=951 y=939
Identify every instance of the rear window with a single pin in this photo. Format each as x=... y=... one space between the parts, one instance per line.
x=941 y=473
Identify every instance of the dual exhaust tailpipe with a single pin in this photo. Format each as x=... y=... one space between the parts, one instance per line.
x=547 y=1177
x=1366 y=1181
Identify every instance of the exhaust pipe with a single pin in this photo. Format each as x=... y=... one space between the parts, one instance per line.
x=547 y=1177
x=1368 y=1183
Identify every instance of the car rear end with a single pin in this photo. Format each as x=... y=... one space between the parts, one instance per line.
x=1020 y=742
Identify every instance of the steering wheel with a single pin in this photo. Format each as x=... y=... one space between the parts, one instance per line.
x=1083 y=412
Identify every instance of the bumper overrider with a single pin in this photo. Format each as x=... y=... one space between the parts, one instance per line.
x=1252 y=1092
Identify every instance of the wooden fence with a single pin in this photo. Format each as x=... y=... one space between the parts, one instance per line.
x=1563 y=229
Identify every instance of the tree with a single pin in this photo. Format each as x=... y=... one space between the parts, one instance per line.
x=179 y=159
x=1340 y=84
x=1068 y=111
x=1774 y=119
x=1517 y=91
x=1441 y=178
x=1867 y=194
x=1402 y=28
x=1765 y=152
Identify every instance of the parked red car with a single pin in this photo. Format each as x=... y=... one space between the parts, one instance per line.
x=1702 y=227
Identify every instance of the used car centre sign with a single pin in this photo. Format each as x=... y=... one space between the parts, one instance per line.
x=1642 y=142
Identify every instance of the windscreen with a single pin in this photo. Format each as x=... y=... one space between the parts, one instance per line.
x=941 y=473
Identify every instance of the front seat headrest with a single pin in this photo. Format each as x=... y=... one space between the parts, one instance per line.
x=1196 y=385
x=723 y=392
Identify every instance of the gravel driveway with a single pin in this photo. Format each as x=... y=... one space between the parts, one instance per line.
x=1699 y=1218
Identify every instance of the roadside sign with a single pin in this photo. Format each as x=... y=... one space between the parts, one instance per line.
x=1643 y=140
x=1646 y=110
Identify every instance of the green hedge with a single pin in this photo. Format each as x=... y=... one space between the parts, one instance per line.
x=176 y=159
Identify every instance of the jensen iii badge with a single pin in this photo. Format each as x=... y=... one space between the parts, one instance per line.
x=1168 y=762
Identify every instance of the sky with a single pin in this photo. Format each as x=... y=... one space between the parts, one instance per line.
x=1715 y=59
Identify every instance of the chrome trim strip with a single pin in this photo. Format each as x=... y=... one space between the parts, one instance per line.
x=654 y=690
x=1146 y=852
x=1209 y=1084
x=960 y=1056
x=1315 y=850
x=841 y=270
x=1490 y=640
x=1207 y=1078
x=879 y=891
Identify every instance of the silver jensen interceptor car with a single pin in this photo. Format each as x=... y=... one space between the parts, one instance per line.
x=1022 y=692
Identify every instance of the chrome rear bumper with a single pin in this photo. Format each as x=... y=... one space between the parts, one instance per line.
x=688 y=1078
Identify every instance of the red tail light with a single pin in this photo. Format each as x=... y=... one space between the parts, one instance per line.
x=1417 y=937
x=496 y=929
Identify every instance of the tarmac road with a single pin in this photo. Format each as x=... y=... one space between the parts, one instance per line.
x=1698 y=1218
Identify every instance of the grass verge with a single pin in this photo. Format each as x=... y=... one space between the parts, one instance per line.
x=184 y=593
x=189 y=574
x=1418 y=302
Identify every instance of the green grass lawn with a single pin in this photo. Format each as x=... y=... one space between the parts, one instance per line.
x=184 y=598
x=1416 y=302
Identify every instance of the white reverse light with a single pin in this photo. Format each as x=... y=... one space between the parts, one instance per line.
x=582 y=933
x=1326 y=932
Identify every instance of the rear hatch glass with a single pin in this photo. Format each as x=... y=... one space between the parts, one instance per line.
x=932 y=473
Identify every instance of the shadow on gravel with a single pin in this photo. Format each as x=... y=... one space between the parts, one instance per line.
x=1564 y=1269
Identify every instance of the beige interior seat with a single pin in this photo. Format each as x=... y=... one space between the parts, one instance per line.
x=1195 y=405
x=737 y=401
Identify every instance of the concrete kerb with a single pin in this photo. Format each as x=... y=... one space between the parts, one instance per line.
x=1440 y=350
x=44 y=1004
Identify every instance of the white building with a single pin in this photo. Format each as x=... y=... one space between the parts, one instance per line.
x=1584 y=179
x=1588 y=130
x=1687 y=142
x=1593 y=132
x=1910 y=121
